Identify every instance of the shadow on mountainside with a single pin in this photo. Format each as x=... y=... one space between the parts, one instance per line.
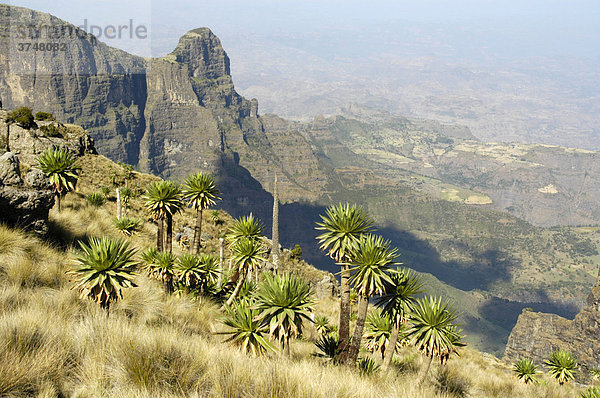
x=486 y=268
x=493 y=320
x=504 y=313
x=242 y=194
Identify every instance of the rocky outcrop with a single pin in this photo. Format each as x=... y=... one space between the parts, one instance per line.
x=536 y=335
x=29 y=143
x=24 y=202
x=327 y=287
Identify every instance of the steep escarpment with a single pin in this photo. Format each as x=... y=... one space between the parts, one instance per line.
x=169 y=116
x=536 y=335
x=193 y=113
x=86 y=82
x=196 y=120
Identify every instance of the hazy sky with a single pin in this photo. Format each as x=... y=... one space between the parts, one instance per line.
x=508 y=28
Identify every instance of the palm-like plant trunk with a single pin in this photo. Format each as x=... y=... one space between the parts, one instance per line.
x=169 y=285
x=363 y=305
x=119 y=211
x=391 y=348
x=169 y=242
x=423 y=372
x=197 y=232
x=344 y=325
x=159 y=235
x=236 y=291
x=286 y=346
x=220 y=261
x=275 y=232
x=58 y=201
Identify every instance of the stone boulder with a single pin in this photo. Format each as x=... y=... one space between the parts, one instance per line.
x=327 y=287
x=9 y=169
x=536 y=335
x=24 y=202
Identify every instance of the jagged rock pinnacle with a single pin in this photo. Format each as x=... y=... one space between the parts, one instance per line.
x=201 y=50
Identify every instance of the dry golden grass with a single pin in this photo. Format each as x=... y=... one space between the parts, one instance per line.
x=54 y=344
x=154 y=345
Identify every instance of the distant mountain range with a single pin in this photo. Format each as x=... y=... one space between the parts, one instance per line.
x=472 y=214
x=535 y=99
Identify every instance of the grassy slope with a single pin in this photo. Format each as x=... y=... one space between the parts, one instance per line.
x=498 y=263
x=54 y=343
x=98 y=171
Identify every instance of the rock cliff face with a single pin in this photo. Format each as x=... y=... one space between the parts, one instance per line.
x=89 y=84
x=169 y=116
x=193 y=114
x=536 y=335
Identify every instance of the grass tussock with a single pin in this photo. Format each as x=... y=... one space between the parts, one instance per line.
x=54 y=343
x=91 y=354
x=153 y=344
x=450 y=381
x=28 y=262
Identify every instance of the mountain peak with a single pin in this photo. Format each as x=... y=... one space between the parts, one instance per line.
x=202 y=51
x=202 y=31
